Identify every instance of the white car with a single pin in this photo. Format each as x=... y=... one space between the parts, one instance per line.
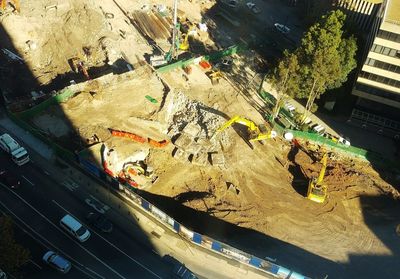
x=282 y=28
x=253 y=7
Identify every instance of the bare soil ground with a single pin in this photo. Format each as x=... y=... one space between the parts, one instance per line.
x=259 y=186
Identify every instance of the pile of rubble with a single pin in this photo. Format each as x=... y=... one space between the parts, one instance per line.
x=192 y=129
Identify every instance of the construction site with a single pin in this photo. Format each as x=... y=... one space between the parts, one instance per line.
x=167 y=133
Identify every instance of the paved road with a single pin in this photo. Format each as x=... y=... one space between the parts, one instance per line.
x=38 y=206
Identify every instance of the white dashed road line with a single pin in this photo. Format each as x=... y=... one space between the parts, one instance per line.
x=27 y=180
x=122 y=252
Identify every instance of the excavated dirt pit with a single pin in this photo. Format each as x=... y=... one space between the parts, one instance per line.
x=248 y=194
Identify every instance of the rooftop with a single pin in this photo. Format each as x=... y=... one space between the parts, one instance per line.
x=393 y=11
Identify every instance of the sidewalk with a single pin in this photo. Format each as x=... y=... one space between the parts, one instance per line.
x=125 y=214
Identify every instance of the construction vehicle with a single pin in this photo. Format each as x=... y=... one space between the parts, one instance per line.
x=78 y=66
x=316 y=189
x=215 y=76
x=18 y=154
x=256 y=133
x=15 y=3
x=185 y=42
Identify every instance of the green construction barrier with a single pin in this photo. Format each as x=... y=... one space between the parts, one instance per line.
x=59 y=98
x=371 y=156
x=211 y=57
x=58 y=150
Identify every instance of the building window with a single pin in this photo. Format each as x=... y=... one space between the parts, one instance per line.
x=389 y=36
x=378 y=92
x=380 y=79
x=382 y=65
x=385 y=50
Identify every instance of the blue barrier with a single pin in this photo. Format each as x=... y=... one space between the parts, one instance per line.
x=196 y=238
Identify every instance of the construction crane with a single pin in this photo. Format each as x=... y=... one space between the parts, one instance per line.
x=15 y=3
x=160 y=60
x=255 y=133
x=173 y=52
x=316 y=189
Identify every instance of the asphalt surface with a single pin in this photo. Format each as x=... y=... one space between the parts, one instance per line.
x=37 y=207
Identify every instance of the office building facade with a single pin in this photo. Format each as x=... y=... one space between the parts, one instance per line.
x=378 y=81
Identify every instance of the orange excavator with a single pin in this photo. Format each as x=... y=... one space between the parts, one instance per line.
x=15 y=4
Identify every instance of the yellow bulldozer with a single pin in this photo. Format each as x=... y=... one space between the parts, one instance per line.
x=256 y=133
x=317 y=190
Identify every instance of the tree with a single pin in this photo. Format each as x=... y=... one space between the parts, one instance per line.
x=326 y=58
x=12 y=255
x=284 y=78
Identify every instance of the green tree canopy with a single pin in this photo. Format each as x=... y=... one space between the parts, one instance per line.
x=285 y=79
x=12 y=255
x=325 y=56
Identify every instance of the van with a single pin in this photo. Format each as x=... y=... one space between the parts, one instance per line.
x=73 y=227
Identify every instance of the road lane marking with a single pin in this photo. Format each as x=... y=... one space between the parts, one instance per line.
x=138 y=263
x=35 y=264
x=63 y=232
x=77 y=264
x=28 y=180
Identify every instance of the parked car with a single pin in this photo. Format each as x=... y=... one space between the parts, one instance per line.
x=3 y=275
x=9 y=179
x=252 y=7
x=56 y=261
x=96 y=205
x=181 y=271
x=100 y=222
x=282 y=28
x=225 y=64
x=232 y=3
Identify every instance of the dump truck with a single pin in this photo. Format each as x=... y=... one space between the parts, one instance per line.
x=18 y=154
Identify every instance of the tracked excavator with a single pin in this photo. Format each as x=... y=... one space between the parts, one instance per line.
x=317 y=190
x=15 y=3
x=255 y=132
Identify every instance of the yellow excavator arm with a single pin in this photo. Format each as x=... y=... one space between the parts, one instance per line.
x=323 y=169
x=241 y=120
x=16 y=4
x=317 y=191
x=255 y=133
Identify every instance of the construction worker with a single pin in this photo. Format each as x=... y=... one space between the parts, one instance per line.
x=15 y=4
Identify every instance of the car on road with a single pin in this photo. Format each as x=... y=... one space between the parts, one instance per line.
x=56 y=261
x=3 y=275
x=99 y=221
x=282 y=28
x=75 y=228
x=253 y=7
x=232 y=3
x=181 y=271
x=9 y=179
x=99 y=207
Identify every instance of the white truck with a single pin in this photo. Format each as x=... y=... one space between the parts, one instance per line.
x=18 y=154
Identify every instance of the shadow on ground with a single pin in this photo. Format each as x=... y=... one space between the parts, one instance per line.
x=17 y=82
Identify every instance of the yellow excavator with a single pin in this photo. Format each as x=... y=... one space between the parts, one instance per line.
x=255 y=133
x=316 y=189
x=15 y=3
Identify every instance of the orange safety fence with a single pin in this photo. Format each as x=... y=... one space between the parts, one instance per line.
x=128 y=135
x=157 y=143
x=137 y=138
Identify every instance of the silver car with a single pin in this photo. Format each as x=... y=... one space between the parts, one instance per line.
x=56 y=261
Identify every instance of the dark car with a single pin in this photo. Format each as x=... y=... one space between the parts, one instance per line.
x=181 y=271
x=57 y=262
x=99 y=221
x=9 y=179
